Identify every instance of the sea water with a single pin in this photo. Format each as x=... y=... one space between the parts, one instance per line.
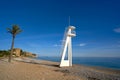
x=108 y=62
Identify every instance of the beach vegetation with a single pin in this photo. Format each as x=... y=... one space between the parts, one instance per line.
x=13 y=31
x=4 y=53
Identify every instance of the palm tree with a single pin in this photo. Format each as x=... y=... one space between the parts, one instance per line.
x=14 y=31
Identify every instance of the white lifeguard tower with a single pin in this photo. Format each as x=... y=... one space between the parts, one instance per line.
x=67 y=47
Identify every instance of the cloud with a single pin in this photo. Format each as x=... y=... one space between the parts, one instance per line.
x=35 y=45
x=118 y=45
x=62 y=40
x=56 y=45
x=117 y=30
x=82 y=44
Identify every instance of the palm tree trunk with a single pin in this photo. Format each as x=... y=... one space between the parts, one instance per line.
x=11 y=52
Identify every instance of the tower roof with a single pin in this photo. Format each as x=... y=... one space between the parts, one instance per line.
x=71 y=27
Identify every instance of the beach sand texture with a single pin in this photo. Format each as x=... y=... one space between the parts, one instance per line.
x=30 y=69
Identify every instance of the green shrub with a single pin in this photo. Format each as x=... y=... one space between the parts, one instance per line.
x=4 y=53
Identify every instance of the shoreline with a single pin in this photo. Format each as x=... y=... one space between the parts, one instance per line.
x=31 y=67
x=106 y=62
x=34 y=60
x=85 y=64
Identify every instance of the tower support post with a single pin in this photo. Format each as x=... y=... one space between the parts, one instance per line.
x=67 y=47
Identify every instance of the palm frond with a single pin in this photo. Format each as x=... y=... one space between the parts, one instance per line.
x=9 y=30
x=14 y=30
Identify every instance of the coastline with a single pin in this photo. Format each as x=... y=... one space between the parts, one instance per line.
x=32 y=69
x=106 y=62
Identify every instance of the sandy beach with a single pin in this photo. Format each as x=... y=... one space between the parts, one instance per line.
x=31 y=69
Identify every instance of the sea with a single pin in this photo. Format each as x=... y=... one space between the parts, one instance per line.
x=107 y=62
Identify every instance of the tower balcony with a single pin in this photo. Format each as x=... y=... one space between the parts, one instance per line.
x=72 y=34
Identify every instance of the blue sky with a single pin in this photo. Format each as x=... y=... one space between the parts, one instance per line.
x=43 y=23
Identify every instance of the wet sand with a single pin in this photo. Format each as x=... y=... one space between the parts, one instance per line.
x=31 y=69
